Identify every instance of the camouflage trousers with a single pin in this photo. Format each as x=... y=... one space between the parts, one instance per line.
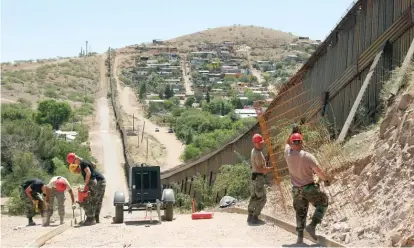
x=28 y=204
x=60 y=196
x=93 y=203
x=257 y=195
x=302 y=196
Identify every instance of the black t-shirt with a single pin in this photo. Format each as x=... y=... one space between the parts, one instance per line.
x=35 y=183
x=94 y=173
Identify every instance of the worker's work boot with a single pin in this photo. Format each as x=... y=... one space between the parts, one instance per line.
x=97 y=218
x=256 y=220
x=62 y=220
x=31 y=222
x=300 y=238
x=311 y=229
x=89 y=221
x=249 y=218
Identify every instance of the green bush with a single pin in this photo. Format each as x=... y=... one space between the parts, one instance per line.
x=30 y=149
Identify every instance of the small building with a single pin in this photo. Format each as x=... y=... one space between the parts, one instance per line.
x=157 y=42
x=245 y=113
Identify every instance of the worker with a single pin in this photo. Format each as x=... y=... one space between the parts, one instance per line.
x=56 y=188
x=32 y=191
x=302 y=165
x=95 y=183
x=257 y=187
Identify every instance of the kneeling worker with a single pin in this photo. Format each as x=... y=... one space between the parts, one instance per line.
x=32 y=194
x=94 y=182
x=56 y=188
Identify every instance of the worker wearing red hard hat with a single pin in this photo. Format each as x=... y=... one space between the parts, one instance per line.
x=257 y=187
x=302 y=165
x=95 y=183
x=56 y=189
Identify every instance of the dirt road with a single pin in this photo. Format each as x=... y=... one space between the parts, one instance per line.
x=106 y=145
x=224 y=230
x=128 y=101
x=185 y=70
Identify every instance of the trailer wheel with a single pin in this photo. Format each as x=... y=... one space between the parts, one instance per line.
x=119 y=214
x=169 y=211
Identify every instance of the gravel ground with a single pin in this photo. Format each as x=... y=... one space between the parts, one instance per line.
x=223 y=230
x=16 y=233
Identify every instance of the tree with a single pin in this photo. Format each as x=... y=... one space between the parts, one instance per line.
x=168 y=92
x=189 y=101
x=53 y=113
x=208 y=97
x=142 y=91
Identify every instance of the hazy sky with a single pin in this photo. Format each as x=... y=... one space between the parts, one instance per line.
x=33 y=29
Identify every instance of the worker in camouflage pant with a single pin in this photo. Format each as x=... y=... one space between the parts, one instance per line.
x=93 y=204
x=302 y=165
x=95 y=184
x=257 y=187
x=31 y=193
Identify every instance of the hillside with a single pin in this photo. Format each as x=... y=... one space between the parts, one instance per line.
x=250 y=35
x=70 y=79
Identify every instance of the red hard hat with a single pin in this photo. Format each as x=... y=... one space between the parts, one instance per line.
x=257 y=138
x=60 y=185
x=296 y=136
x=70 y=158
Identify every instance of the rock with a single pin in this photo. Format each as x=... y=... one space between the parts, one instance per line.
x=342 y=237
x=405 y=101
x=347 y=238
x=395 y=239
x=337 y=227
x=344 y=219
x=359 y=231
x=347 y=229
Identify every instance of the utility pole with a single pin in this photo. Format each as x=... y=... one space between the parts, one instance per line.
x=138 y=138
x=133 y=122
x=143 y=128
x=86 y=47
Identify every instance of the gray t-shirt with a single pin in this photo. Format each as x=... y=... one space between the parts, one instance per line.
x=300 y=165
x=257 y=160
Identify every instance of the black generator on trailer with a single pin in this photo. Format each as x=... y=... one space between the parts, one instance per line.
x=145 y=194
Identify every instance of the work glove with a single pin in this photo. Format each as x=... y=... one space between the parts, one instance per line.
x=84 y=188
x=73 y=206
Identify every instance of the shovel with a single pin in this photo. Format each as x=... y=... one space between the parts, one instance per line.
x=74 y=219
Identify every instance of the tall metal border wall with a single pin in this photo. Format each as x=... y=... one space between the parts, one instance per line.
x=336 y=69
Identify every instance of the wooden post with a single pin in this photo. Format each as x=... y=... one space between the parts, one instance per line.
x=143 y=128
x=138 y=138
x=358 y=99
x=133 y=122
x=147 y=149
x=403 y=70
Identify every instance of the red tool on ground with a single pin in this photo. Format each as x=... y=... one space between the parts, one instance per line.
x=200 y=215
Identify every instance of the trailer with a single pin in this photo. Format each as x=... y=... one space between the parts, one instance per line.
x=145 y=194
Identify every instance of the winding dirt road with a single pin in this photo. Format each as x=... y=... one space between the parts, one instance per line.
x=129 y=103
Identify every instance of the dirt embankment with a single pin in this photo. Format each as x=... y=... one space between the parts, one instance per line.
x=372 y=199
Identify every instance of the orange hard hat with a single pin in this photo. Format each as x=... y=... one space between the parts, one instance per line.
x=295 y=137
x=70 y=158
x=257 y=138
x=60 y=185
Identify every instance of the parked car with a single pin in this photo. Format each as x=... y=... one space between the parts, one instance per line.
x=170 y=130
x=156 y=129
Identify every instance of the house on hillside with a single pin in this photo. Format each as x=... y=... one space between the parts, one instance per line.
x=245 y=113
x=240 y=87
x=157 y=42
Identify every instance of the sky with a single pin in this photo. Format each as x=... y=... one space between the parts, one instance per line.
x=33 y=29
